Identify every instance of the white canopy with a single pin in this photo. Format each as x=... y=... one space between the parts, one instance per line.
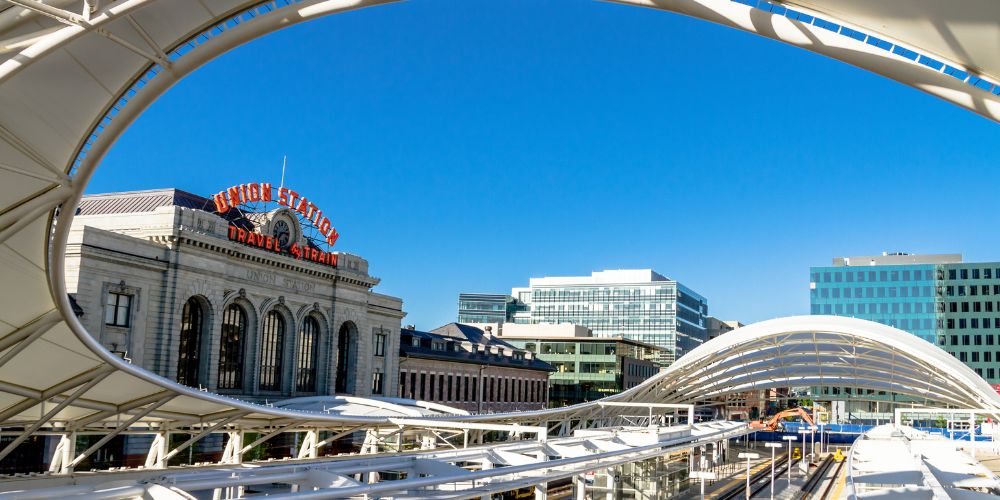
x=73 y=79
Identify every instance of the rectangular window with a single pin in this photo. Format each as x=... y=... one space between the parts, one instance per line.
x=377 y=382
x=987 y=357
x=952 y=274
x=963 y=357
x=965 y=274
x=965 y=340
x=116 y=312
x=987 y=273
x=977 y=307
x=990 y=372
x=978 y=340
x=975 y=274
x=380 y=344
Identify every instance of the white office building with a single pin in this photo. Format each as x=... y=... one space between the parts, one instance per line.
x=637 y=304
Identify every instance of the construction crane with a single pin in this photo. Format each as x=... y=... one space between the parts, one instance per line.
x=774 y=422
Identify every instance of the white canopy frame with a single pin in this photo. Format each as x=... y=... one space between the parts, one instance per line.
x=74 y=75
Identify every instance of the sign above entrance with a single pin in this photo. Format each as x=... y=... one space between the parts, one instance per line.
x=264 y=192
x=273 y=244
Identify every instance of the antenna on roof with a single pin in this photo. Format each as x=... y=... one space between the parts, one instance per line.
x=284 y=159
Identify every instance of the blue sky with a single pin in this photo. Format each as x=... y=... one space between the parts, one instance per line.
x=470 y=145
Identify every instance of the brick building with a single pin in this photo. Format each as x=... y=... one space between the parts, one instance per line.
x=471 y=369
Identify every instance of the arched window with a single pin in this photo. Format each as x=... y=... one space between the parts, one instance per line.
x=305 y=378
x=234 y=332
x=271 y=343
x=187 y=357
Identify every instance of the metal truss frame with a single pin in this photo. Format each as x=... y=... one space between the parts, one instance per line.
x=48 y=153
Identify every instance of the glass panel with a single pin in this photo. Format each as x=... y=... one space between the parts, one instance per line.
x=234 y=324
x=305 y=380
x=190 y=343
x=272 y=340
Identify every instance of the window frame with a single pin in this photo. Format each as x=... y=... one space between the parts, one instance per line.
x=116 y=308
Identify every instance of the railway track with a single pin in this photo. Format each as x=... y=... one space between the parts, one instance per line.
x=833 y=481
x=759 y=480
x=816 y=478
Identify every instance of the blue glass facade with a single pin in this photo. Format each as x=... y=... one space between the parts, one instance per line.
x=953 y=305
x=901 y=296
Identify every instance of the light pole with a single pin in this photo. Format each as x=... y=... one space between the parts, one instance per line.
x=802 y=459
x=703 y=475
x=749 y=456
x=812 y=441
x=789 y=439
x=772 y=446
x=822 y=449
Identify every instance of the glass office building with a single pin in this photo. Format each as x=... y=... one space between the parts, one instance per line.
x=902 y=296
x=640 y=305
x=589 y=368
x=938 y=298
x=487 y=308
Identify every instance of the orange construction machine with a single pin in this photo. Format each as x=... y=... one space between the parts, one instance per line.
x=774 y=422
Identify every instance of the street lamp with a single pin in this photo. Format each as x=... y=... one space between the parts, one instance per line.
x=749 y=456
x=789 y=439
x=703 y=475
x=772 y=446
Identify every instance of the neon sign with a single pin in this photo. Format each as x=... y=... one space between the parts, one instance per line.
x=264 y=191
x=266 y=242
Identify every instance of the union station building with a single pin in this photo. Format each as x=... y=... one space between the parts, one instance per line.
x=232 y=301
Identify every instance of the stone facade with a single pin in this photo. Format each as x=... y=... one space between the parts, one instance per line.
x=169 y=254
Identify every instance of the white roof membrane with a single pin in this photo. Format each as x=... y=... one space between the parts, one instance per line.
x=71 y=82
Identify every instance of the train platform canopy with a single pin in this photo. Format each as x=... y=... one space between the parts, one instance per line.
x=75 y=75
x=369 y=407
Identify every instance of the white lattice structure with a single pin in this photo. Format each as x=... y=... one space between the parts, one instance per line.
x=74 y=75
